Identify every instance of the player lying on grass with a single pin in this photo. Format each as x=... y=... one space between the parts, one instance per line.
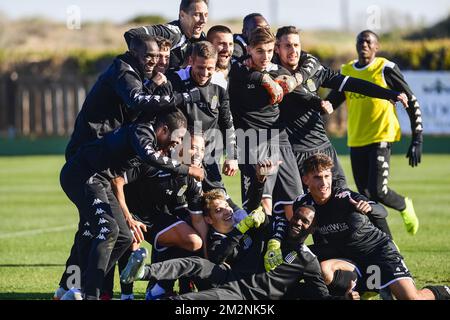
x=341 y=221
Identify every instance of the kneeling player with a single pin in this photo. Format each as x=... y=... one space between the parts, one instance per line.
x=341 y=220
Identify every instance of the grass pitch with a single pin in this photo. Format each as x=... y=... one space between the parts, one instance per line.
x=38 y=222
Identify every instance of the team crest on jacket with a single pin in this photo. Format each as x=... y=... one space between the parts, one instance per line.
x=214 y=102
x=290 y=257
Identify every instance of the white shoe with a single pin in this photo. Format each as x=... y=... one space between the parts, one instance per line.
x=72 y=294
x=135 y=267
x=59 y=293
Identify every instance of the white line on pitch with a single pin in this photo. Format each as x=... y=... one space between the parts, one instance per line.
x=34 y=232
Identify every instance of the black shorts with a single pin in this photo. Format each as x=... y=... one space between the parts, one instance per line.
x=283 y=186
x=376 y=271
x=158 y=225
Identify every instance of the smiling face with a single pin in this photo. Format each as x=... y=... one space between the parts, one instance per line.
x=202 y=69
x=147 y=56
x=319 y=184
x=169 y=140
x=367 y=47
x=223 y=42
x=300 y=225
x=220 y=215
x=288 y=49
x=261 y=55
x=195 y=150
x=194 y=19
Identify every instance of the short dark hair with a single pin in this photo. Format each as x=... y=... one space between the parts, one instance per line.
x=260 y=36
x=217 y=29
x=316 y=163
x=163 y=42
x=140 y=39
x=287 y=30
x=173 y=120
x=203 y=49
x=249 y=18
x=367 y=31
x=185 y=4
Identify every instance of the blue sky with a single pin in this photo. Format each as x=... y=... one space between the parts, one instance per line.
x=304 y=14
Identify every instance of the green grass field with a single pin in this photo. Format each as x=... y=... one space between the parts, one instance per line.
x=38 y=222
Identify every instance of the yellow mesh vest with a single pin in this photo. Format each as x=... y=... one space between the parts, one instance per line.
x=370 y=120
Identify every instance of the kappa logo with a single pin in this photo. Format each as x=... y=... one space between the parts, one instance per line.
x=101 y=236
x=290 y=257
x=87 y=233
x=97 y=201
x=99 y=211
x=104 y=230
x=251 y=86
x=344 y=194
x=102 y=221
x=87 y=224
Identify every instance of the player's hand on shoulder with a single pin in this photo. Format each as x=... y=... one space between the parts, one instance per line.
x=361 y=206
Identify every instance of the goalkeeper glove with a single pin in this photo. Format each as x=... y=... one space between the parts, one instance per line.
x=274 y=90
x=287 y=83
x=273 y=257
x=253 y=220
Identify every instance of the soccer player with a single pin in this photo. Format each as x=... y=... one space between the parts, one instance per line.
x=221 y=38
x=86 y=180
x=120 y=95
x=233 y=242
x=211 y=113
x=164 y=54
x=297 y=263
x=188 y=29
x=169 y=206
x=301 y=110
x=256 y=113
x=373 y=127
x=250 y=23
x=341 y=219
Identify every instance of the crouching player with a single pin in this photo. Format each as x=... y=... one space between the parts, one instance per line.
x=341 y=220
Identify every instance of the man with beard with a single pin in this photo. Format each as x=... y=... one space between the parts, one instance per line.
x=301 y=110
x=256 y=113
x=188 y=29
x=221 y=38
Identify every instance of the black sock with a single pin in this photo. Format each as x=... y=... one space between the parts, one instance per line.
x=341 y=282
x=440 y=292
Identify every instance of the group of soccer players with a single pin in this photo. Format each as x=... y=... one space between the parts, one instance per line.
x=143 y=165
